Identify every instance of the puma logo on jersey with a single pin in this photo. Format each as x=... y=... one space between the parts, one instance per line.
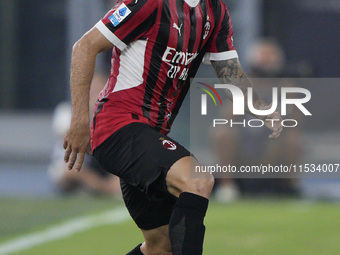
x=178 y=28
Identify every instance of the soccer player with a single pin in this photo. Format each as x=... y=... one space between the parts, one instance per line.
x=158 y=46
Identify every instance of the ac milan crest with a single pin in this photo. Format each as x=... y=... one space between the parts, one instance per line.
x=169 y=145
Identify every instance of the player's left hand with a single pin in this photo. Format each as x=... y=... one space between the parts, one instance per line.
x=273 y=122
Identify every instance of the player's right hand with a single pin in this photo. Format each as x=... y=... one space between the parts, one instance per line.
x=76 y=144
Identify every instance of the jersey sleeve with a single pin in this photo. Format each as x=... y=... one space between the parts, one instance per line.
x=128 y=21
x=221 y=46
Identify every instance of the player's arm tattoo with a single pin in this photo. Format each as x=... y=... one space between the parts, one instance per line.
x=230 y=72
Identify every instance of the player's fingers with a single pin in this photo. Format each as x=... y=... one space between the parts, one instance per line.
x=273 y=136
x=65 y=144
x=276 y=133
x=72 y=160
x=277 y=130
x=80 y=161
x=68 y=151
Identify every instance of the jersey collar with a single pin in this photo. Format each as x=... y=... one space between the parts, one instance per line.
x=192 y=3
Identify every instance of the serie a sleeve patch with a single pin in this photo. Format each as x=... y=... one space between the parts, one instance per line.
x=119 y=15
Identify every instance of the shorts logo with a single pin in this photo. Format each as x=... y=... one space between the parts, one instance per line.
x=169 y=145
x=119 y=15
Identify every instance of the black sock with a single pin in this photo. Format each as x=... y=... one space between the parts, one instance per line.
x=136 y=251
x=186 y=227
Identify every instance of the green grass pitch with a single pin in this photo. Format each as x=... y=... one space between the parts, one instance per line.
x=245 y=227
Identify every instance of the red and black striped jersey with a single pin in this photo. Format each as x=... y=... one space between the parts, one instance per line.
x=158 y=47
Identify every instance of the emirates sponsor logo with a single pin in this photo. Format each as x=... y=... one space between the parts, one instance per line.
x=178 y=57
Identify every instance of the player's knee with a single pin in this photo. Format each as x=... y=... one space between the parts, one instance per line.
x=200 y=186
x=179 y=179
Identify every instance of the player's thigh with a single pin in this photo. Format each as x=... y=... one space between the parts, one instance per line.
x=141 y=156
x=182 y=177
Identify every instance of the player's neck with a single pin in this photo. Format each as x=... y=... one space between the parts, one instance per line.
x=192 y=3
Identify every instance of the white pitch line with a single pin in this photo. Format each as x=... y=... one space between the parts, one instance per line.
x=64 y=230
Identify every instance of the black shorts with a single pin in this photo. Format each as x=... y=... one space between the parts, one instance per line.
x=141 y=157
x=92 y=164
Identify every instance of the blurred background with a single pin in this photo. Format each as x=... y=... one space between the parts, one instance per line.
x=296 y=38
